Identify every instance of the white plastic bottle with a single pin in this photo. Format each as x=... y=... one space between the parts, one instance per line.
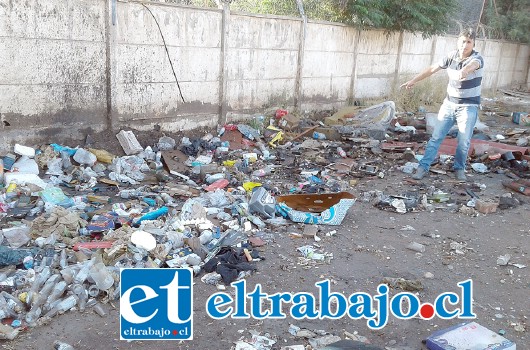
x=40 y=278
x=83 y=273
x=57 y=291
x=101 y=276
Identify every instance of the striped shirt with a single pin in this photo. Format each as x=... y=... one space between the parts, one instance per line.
x=468 y=90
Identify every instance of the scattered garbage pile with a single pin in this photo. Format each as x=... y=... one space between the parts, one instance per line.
x=72 y=217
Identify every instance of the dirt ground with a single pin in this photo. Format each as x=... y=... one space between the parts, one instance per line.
x=369 y=245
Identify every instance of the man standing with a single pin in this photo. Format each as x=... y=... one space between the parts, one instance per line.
x=464 y=67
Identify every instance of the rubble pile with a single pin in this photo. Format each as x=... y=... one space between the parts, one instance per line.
x=73 y=217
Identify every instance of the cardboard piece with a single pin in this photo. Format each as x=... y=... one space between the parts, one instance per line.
x=331 y=133
x=341 y=117
x=235 y=139
x=174 y=161
x=325 y=209
x=289 y=121
x=344 y=166
x=468 y=336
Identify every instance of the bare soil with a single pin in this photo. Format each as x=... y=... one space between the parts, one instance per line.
x=368 y=246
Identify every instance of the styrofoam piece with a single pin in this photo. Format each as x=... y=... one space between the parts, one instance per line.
x=24 y=150
x=129 y=143
x=22 y=179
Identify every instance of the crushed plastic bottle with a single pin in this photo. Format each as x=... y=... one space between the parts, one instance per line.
x=319 y=136
x=101 y=276
x=267 y=170
x=59 y=345
x=214 y=177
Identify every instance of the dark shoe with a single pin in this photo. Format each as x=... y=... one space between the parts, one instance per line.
x=420 y=173
x=460 y=175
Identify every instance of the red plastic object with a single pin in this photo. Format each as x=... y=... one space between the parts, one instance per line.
x=93 y=245
x=221 y=183
x=230 y=127
x=280 y=113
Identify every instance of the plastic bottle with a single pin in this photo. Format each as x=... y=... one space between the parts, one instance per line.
x=319 y=136
x=19 y=306
x=40 y=279
x=57 y=291
x=153 y=215
x=212 y=178
x=67 y=303
x=83 y=273
x=1 y=171
x=5 y=310
x=68 y=273
x=55 y=261
x=167 y=199
x=80 y=291
x=130 y=193
x=341 y=152
x=93 y=291
x=83 y=297
x=33 y=315
x=101 y=276
x=98 y=308
x=62 y=260
x=58 y=345
x=205 y=237
x=263 y=171
x=42 y=296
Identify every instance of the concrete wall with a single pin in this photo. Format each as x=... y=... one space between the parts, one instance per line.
x=72 y=67
x=52 y=68
x=144 y=89
x=261 y=62
x=328 y=65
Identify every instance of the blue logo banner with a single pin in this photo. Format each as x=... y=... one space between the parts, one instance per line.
x=156 y=304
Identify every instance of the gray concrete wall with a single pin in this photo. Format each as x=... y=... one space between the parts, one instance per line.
x=52 y=69
x=261 y=62
x=72 y=67
x=144 y=89
x=328 y=65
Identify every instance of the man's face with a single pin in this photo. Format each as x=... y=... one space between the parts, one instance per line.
x=465 y=46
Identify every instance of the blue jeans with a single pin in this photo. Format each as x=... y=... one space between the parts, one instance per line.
x=465 y=117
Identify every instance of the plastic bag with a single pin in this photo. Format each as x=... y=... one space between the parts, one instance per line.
x=56 y=196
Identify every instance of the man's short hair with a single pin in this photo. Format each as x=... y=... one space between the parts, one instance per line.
x=468 y=33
